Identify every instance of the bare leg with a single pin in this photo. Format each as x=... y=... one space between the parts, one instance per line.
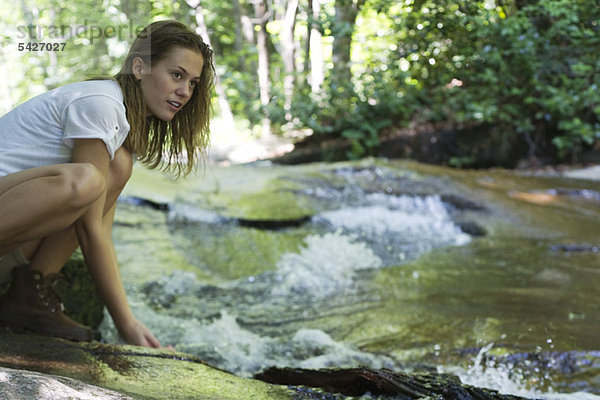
x=37 y=202
x=54 y=250
x=31 y=303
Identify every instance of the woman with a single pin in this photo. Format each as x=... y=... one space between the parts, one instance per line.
x=66 y=155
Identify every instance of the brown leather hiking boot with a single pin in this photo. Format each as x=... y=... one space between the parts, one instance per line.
x=31 y=304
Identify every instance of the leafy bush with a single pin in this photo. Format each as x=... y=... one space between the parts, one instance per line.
x=533 y=72
x=358 y=117
x=536 y=73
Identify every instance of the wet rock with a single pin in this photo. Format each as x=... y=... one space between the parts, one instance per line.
x=360 y=381
x=139 y=201
x=569 y=248
x=566 y=371
x=79 y=294
x=586 y=194
x=462 y=203
x=24 y=385
x=273 y=224
x=471 y=228
x=129 y=371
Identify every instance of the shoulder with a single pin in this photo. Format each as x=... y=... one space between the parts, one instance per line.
x=94 y=103
x=100 y=98
x=98 y=88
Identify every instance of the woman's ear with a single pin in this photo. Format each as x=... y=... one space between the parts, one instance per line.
x=137 y=67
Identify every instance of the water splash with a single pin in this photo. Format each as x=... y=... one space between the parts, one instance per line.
x=412 y=219
x=506 y=378
x=227 y=345
x=325 y=265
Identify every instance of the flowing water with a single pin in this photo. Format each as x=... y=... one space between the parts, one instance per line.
x=488 y=275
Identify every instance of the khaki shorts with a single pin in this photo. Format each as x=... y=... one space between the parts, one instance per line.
x=8 y=262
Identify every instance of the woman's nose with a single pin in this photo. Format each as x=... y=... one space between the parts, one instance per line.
x=183 y=89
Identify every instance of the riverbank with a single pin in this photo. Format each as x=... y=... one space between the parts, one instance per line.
x=230 y=147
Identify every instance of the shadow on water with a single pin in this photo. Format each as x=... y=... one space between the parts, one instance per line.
x=490 y=275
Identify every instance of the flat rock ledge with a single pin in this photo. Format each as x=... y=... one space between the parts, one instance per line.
x=43 y=368
x=21 y=384
x=36 y=367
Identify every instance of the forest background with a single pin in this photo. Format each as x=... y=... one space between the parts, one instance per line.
x=489 y=82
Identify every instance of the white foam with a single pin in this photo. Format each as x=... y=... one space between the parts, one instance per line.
x=225 y=344
x=325 y=265
x=181 y=212
x=412 y=219
x=506 y=379
x=177 y=283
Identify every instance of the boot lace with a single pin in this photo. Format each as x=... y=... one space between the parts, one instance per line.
x=47 y=296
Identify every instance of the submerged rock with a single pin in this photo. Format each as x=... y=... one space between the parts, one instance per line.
x=314 y=266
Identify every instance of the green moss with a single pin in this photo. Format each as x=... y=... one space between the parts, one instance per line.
x=236 y=253
x=139 y=226
x=150 y=377
x=272 y=205
x=79 y=293
x=141 y=373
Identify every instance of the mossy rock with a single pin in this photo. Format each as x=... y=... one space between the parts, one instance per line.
x=140 y=373
x=79 y=293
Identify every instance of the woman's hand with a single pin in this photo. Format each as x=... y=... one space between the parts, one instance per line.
x=136 y=333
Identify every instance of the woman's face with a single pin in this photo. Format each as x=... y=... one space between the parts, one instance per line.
x=169 y=84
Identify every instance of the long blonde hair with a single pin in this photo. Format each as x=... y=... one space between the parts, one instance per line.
x=176 y=145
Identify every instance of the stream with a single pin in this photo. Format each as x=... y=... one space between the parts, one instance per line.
x=489 y=275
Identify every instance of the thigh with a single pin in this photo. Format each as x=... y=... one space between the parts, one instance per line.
x=10 y=181
x=43 y=200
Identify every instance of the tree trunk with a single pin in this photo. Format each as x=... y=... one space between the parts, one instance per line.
x=224 y=106
x=317 y=75
x=239 y=39
x=287 y=47
x=346 y=12
x=263 y=62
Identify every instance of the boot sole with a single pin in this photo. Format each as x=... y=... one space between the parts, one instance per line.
x=36 y=326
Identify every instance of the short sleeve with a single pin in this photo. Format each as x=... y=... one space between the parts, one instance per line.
x=96 y=117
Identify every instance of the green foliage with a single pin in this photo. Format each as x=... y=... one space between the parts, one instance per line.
x=461 y=162
x=95 y=37
x=535 y=73
x=550 y=50
x=530 y=68
x=359 y=118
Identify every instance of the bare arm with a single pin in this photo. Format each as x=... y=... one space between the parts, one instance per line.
x=94 y=235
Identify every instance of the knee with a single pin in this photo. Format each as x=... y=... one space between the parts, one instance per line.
x=84 y=184
x=120 y=171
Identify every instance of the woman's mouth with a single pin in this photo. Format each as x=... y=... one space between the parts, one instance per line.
x=174 y=105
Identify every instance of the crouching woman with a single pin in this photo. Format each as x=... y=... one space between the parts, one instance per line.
x=67 y=154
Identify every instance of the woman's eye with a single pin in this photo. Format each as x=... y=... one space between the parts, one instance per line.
x=177 y=75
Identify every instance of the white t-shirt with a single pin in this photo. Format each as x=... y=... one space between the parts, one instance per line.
x=41 y=131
